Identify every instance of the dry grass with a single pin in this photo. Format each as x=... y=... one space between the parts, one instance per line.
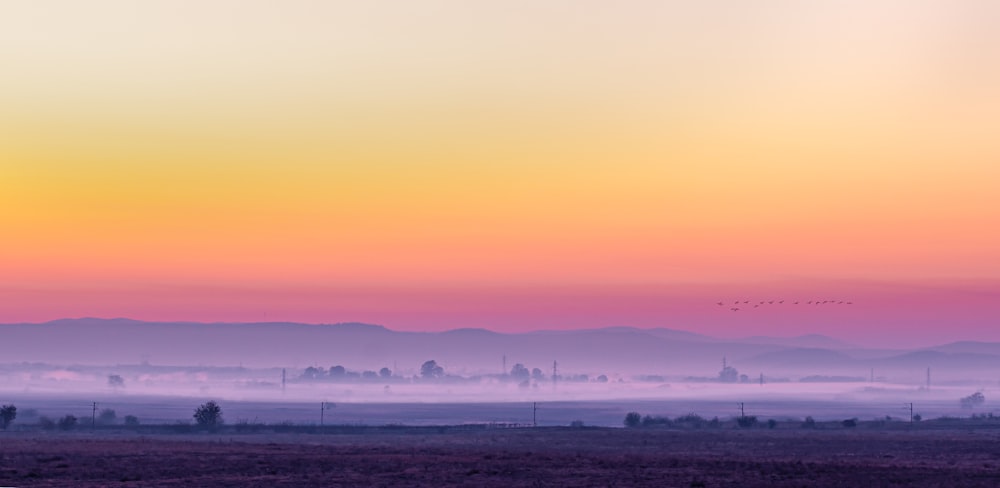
x=508 y=458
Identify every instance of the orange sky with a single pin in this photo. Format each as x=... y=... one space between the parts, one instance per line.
x=309 y=144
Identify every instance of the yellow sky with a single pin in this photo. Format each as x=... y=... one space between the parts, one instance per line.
x=512 y=142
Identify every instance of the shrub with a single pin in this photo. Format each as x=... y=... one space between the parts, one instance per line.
x=649 y=421
x=68 y=422
x=809 y=423
x=7 y=415
x=107 y=417
x=747 y=421
x=633 y=419
x=849 y=423
x=131 y=421
x=771 y=423
x=576 y=424
x=208 y=415
x=46 y=423
x=917 y=417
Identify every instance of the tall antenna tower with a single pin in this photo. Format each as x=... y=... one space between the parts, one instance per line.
x=554 y=373
x=928 y=377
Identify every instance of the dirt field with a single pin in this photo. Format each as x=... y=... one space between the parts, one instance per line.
x=506 y=457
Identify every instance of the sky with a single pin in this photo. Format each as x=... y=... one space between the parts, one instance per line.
x=510 y=165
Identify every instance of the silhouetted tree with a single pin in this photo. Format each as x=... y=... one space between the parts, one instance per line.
x=131 y=420
x=602 y=379
x=519 y=372
x=107 y=417
x=312 y=373
x=385 y=373
x=972 y=400
x=633 y=419
x=7 y=415
x=208 y=415
x=338 y=371
x=431 y=370
x=68 y=422
x=537 y=374
x=369 y=375
x=850 y=423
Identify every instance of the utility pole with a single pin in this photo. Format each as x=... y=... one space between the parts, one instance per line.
x=742 y=414
x=928 y=378
x=554 y=374
x=534 y=414
x=873 y=376
x=93 y=417
x=762 y=379
x=911 y=411
x=282 y=380
x=504 y=372
x=322 y=411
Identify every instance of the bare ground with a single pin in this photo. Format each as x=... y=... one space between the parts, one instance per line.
x=507 y=458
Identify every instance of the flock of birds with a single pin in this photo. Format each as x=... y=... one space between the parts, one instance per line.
x=763 y=303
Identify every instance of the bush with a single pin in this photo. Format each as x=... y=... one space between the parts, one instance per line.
x=747 y=421
x=809 y=423
x=7 y=415
x=46 y=423
x=68 y=422
x=850 y=423
x=107 y=417
x=633 y=419
x=576 y=424
x=771 y=423
x=917 y=417
x=208 y=415
x=131 y=421
x=649 y=421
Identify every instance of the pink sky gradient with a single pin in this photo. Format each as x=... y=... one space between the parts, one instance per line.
x=882 y=314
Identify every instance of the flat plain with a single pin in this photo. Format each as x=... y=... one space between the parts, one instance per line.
x=508 y=457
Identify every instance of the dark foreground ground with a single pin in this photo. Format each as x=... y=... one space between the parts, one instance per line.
x=506 y=457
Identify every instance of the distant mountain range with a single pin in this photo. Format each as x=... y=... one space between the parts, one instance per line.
x=612 y=350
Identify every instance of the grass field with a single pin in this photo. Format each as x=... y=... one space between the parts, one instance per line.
x=955 y=455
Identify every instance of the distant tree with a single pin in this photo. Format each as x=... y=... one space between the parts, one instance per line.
x=131 y=420
x=746 y=421
x=312 y=373
x=917 y=417
x=744 y=378
x=431 y=370
x=46 y=423
x=576 y=424
x=107 y=417
x=519 y=372
x=729 y=374
x=208 y=415
x=771 y=423
x=809 y=423
x=116 y=381
x=68 y=422
x=369 y=375
x=537 y=374
x=338 y=371
x=849 y=423
x=633 y=419
x=385 y=373
x=602 y=379
x=7 y=415
x=973 y=400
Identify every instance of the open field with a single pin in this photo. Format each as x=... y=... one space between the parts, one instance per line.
x=956 y=456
